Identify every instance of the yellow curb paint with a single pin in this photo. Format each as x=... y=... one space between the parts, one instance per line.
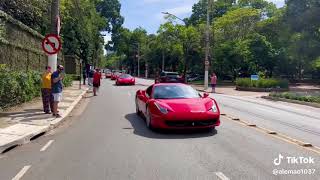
x=306 y=146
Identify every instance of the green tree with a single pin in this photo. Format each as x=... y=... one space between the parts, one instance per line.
x=199 y=10
x=81 y=30
x=33 y=13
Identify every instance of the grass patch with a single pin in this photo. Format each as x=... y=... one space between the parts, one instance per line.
x=313 y=97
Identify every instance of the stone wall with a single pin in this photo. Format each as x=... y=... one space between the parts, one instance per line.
x=20 y=46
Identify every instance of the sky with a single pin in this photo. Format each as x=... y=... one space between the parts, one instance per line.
x=147 y=13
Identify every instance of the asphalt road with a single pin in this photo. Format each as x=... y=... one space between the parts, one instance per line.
x=104 y=139
x=297 y=121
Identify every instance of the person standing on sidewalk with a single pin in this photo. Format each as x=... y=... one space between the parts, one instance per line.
x=213 y=82
x=57 y=87
x=47 y=97
x=84 y=75
x=90 y=77
x=96 y=81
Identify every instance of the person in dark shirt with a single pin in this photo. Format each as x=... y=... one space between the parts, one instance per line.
x=57 y=87
x=90 y=77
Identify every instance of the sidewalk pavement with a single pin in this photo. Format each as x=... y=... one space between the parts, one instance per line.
x=19 y=125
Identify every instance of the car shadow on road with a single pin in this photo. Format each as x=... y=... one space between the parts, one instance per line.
x=140 y=128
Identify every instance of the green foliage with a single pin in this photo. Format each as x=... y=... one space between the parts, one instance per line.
x=262 y=83
x=316 y=64
x=33 y=13
x=81 y=32
x=67 y=80
x=236 y=24
x=110 y=10
x=18 y=87
x=300 y=96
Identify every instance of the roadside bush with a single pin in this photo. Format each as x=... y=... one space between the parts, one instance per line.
x=20 y=87
x=300 y=96
x=262 y=83
x=67 y=80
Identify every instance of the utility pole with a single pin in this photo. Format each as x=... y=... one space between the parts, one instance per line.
x=138 y=58
x=162 y=60
x=206 y=61
x=55 y=19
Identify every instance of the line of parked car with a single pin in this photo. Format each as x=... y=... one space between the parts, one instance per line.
x=120 y=77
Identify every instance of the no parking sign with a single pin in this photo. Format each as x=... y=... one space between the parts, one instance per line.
x=51 y=44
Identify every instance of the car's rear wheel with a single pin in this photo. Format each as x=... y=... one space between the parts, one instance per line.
x=149 y=119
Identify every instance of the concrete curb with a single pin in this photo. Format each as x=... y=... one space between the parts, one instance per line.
x=292 y=101
x=56 y=122
x=300 y=143
x=20 y=134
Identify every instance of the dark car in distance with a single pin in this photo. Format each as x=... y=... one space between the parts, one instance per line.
x=170 y=77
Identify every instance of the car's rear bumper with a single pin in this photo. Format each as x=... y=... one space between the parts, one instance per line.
x=125 y=83
x=194 y=121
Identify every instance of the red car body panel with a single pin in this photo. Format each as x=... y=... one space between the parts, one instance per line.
x=115 y=76
x=182 y=113
x=126 y=81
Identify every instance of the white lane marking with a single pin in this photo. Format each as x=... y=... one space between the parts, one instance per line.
x=46 y=146
x=21 y=172
x=221 y=176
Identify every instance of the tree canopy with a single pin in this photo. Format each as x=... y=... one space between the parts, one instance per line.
x=247 y=37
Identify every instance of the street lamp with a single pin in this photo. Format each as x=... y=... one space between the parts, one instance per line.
x=138 y=56
x=169 y=14
x=206 y=61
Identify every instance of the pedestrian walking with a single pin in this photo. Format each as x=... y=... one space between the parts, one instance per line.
x=90 y=77
x=47 y=97
x=84 y=75
x=213 y=82
x=96 y=81
x=57 y=87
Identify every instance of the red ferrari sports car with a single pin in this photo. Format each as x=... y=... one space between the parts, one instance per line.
x=176 y=106
x=115 y=75
x=108 y=74
x=125 y=79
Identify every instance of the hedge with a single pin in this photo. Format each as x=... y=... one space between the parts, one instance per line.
x=262 y=83
x=20 y=87
x=300 y=96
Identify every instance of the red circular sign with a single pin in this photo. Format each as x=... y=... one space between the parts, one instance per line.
x=51 y=44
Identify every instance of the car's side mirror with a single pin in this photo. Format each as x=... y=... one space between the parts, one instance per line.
x=205 y=95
